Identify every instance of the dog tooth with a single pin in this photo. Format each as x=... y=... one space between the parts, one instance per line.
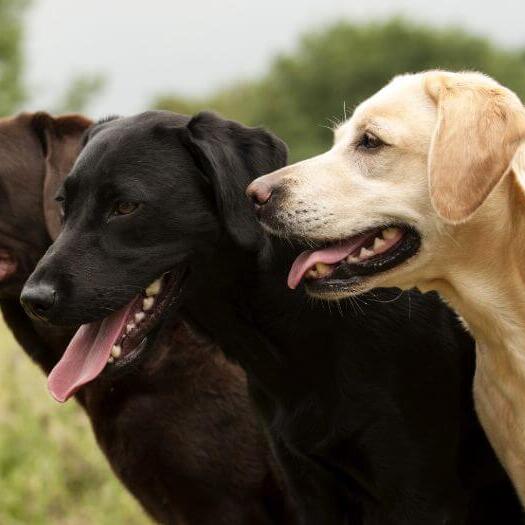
x=111 y=359
x=322 y=269
x=139 y=316
x=154 y=288
x=116 y=351
x=364 y=254
x=352 y=259
x=130 y=327
x=312 y=273
x=147 y=304
x=390 y=233
x=378 y=243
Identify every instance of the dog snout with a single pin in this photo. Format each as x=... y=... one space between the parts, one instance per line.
x=39 y=300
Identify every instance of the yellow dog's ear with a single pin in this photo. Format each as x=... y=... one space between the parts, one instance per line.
x=479 y=130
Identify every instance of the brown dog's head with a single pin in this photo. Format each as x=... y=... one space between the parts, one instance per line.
x=414 y=190
x=36 y=153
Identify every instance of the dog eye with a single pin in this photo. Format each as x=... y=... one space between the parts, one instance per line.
x=369 y=141
x=125 y=207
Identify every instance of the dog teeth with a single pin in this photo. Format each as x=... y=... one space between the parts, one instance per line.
x=352 y=259
x=390 y=233
x=364 y=254
x=139 y=317
x=378 y=244
x=322 y=269
x=154 y=288
x=111 y=359
x=148 y=303
x=116 y=351
x=312 y=273
x=130 y=327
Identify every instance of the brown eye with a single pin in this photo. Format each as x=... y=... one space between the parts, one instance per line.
x=369 y=141
x=125 y=207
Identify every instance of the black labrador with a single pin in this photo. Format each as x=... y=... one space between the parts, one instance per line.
x=175 y=424
x=368 y=408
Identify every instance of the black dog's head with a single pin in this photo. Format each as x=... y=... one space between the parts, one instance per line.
x=148 y=197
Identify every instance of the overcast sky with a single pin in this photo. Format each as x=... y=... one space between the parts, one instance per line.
x=194 y=46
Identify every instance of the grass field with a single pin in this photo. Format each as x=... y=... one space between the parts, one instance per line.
x=51 y=471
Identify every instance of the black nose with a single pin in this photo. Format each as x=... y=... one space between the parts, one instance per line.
x=38 y=300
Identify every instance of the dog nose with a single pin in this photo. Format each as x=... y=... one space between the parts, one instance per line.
x=259 y=191
x=38 y=300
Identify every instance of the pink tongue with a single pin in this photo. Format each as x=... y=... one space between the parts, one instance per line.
x=330 y=255
x=86 y=355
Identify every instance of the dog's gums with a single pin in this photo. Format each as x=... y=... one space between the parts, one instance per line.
x=373 y=251
x=117 y=340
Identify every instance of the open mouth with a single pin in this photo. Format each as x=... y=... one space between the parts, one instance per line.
x=336 y=266
x=115 y=341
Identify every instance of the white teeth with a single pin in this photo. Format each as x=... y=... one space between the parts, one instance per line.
x=312 y=273
x=364 y=254
x=111 y=359
x=147 y=304
x=130 y=327
x=378 y=244
x=115 y=352
x=154 y=288
x=352 y=259
x=139 y=316
x=390 y=233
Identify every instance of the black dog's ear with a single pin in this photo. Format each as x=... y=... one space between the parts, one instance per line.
x=60 y=138
x=230 y=156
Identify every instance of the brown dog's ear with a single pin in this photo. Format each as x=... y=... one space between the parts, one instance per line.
x=61 y=143
x=479 y=130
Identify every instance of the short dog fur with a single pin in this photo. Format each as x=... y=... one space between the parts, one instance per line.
x=368 y=409
x=450 y=164
x=177 y=427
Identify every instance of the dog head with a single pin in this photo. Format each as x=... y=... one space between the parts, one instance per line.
x=36 y=152
x=416 y=167
x=149 y=199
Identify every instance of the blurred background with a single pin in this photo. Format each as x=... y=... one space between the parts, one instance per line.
x=295 y=67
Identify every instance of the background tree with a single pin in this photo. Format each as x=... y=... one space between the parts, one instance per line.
x=305 y=92
x=11 y=59
x=80 y=93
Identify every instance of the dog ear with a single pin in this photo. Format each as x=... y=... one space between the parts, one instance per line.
x=479 y=130
x=230 y=156
x=60 y=138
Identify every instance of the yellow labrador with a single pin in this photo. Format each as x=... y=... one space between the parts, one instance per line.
x=424 y=187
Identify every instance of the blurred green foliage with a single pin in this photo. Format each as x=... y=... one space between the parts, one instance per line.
x=305 y=92
x=11 y=57
x=81 y=91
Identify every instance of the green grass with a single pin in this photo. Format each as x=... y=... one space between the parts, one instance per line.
x=51 y=470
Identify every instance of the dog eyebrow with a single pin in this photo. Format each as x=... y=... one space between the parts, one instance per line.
x=381 y=128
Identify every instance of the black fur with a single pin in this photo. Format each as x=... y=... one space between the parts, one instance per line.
x=368 y=406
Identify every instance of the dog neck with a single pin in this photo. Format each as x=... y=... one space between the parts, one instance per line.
x=484 y=276
x=487 y=287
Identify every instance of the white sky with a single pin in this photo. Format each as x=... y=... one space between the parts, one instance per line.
x=194 y=46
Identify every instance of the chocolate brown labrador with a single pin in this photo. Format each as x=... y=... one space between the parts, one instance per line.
x=175 y=425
